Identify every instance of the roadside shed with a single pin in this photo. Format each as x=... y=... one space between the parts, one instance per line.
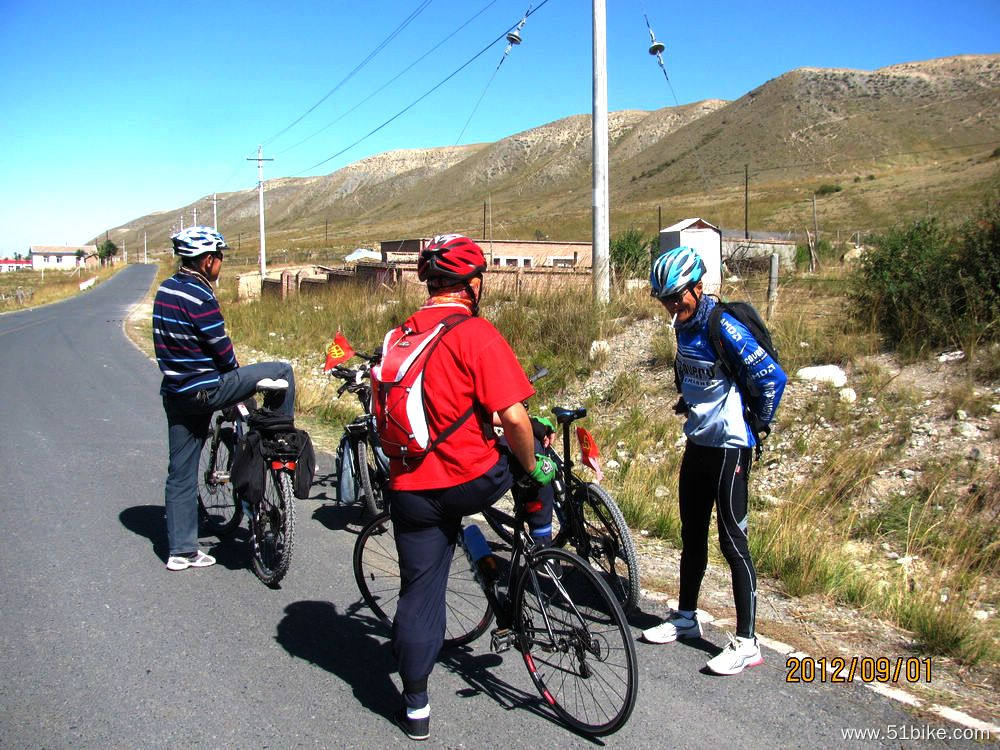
x=706 y=239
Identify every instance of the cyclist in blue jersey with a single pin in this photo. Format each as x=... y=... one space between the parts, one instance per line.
x=717 y=458
x=200 y=376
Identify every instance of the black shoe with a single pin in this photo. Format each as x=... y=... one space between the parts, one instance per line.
x=415 y=729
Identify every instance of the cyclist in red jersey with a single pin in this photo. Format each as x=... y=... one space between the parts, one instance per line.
x=466 y=472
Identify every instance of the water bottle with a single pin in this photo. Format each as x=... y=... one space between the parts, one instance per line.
x=478 y=550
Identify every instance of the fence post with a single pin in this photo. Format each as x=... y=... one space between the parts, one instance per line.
x=772 y=287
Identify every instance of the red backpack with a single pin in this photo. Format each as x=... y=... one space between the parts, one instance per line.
x=398 y=391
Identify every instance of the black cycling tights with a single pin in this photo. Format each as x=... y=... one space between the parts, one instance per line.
x=717 y=477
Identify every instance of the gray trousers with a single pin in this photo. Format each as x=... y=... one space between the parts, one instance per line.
x=188 y=418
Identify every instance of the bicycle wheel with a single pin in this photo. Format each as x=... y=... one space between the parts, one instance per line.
x=373 y=502
x=606 y=543
x=575 y=641
x=272 y=525
x=220 y=512
x=376 y=570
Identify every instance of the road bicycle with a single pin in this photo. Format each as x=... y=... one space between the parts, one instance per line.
x=272 y=519
x=550 y=606
x=585 y=518
x=370 y=465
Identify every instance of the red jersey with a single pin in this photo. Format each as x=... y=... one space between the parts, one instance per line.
x=472 y=364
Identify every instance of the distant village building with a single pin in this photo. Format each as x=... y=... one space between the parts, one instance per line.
x=62 y=257
x=9 y=264
x=504 y=253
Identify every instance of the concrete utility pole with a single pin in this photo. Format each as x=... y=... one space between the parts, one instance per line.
x=746 y=201
x=145 y=256
x=194 y=214
x=260 y=194
x=601 y=276
x=215 y=211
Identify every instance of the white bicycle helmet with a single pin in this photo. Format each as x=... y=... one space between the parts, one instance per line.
x=195 y=241
x=673 y=271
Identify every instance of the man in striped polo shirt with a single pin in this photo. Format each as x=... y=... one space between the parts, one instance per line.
x=200 y=376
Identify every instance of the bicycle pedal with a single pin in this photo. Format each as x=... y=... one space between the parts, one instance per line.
x=501 y=640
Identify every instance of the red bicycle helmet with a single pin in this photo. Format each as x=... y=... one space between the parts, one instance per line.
x=452 y=257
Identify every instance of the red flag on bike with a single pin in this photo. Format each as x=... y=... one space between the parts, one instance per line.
x=589 y=452
x=338 y=351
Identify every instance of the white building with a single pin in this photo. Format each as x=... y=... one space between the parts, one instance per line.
x=60 y=257
x=703 y=237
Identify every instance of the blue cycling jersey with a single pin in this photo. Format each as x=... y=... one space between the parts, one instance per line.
x=715 y=401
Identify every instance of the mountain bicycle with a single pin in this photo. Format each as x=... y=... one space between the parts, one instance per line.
x=588 y=520
x=550 y=606
x=272 y=519
x=370 y=465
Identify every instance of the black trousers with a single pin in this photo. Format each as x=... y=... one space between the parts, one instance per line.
x=717 y=478
x=426 y=525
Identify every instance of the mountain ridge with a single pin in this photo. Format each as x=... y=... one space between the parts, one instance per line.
x=804 y=126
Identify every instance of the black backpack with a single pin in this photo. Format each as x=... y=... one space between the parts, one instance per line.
x=746 y=314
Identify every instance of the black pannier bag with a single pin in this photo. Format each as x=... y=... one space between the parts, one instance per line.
x=272 y=435
x=295 y=446
x=247 y=473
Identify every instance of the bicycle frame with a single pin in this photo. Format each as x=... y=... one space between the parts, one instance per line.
x=499 y=592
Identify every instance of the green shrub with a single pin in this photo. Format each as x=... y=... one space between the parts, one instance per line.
x=827 y=189
x=927 y=286
x=629 y=254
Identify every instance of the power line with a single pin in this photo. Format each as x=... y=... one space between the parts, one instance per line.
x=358 y=67
x=392 y=80
x=513 y=38
x=422 y=96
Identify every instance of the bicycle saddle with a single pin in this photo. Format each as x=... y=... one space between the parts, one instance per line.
x=564 y=416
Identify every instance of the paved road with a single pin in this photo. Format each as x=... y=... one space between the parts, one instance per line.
x=101 y=646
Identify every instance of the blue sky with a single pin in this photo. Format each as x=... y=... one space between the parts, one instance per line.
x=114 y=110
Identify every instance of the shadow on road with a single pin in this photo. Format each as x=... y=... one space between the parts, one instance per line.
x=147 y=521
x=345 y=645
x=476 y=670
x=341 y=517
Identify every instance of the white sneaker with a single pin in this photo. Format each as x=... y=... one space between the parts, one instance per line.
x=738 y=654
x=674 y=627
x=269 y=384
x=183 y=562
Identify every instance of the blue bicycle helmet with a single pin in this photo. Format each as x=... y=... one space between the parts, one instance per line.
x=675 y=270
x=195 y=241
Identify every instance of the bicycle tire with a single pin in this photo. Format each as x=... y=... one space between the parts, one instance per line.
x=373 y=498
x=607 y=543
x=220 y=512
x=585 y=667
x=272 y=528
x=376 y=571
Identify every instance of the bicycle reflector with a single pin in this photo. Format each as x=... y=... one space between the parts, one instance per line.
x=278 y=465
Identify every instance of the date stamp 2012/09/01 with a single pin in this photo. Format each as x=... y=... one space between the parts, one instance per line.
x=864 y=668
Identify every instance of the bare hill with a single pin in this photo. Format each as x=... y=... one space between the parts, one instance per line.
x=925 y=132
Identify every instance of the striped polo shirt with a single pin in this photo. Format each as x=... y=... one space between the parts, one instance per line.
x=189 y=334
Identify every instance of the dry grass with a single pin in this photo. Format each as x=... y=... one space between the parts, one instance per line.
x=43 y=288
